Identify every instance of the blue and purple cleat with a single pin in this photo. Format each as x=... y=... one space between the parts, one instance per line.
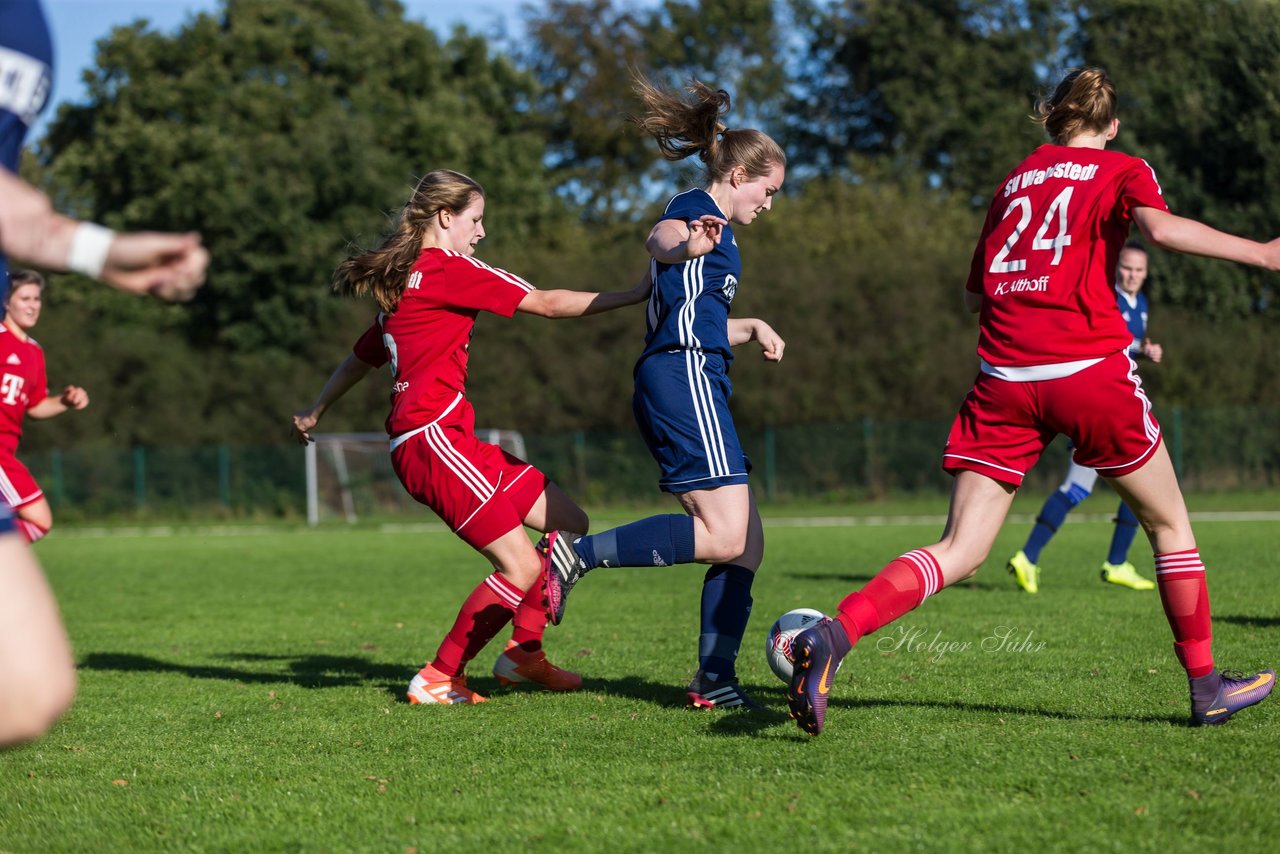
x=816 y=654
x=1235 y=691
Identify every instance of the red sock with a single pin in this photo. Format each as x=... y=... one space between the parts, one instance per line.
x=488 y=608
x=31 y=530
x=530 y=621
x=1185 y=596
x=898 y=588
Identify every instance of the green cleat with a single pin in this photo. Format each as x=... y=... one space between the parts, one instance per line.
x=1026 y=573
x=1126 y=575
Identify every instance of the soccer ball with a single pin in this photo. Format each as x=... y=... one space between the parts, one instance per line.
x=777 y=648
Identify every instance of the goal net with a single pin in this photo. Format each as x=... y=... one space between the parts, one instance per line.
x=349 y=475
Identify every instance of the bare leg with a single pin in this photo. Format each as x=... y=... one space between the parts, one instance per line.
x=722 y=527
x=979 y=506
x=1153 y=495
x=37 y=673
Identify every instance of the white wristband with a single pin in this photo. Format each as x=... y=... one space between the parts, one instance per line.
x=89 y=247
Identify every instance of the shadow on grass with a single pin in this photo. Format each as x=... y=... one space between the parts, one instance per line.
x=306 y=671
x=1244 y=620
x=752 y=724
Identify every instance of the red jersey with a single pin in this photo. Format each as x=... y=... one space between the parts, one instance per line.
x=427 y=338
x=22 y=385
x=1048 y=249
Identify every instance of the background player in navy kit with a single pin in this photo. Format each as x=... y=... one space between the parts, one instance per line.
x=1131 y=274
x=682 y=387
x=37 y=673
x=24 y=392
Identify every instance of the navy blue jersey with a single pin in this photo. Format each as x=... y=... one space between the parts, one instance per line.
x=689 y=306
x=26 y=74
x=1134 y=311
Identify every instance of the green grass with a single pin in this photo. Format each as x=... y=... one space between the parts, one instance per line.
x=243 y=693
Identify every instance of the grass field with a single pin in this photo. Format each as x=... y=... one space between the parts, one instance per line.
x=242 y=692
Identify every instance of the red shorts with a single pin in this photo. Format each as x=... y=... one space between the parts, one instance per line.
x=478 y=489
x=17 y=487
x=1003 y=427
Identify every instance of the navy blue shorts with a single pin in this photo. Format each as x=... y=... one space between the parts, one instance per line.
x=681 y=403
x=6 y=519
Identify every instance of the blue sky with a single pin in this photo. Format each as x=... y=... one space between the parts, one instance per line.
x=78 y=24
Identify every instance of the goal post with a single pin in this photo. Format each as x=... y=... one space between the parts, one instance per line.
x=349 y=474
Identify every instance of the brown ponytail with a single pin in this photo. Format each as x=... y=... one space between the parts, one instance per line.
x=1084 y=102
x=684 y=127
x=382 y=272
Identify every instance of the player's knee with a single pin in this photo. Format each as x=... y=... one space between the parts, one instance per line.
x=524 y=571
x=725 y=546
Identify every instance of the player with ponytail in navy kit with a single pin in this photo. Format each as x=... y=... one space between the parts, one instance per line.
x=682 y=386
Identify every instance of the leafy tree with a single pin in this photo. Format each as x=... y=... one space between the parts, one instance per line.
x=1198 y=82
x=282 y=129
x=584 y=54
x=940 y=88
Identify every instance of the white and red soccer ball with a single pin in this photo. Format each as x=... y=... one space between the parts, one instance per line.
x=777 y=648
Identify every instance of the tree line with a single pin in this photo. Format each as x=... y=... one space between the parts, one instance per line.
x=287 y=131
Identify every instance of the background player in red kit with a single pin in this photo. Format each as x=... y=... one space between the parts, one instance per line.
x=1053 y=360
x=24 y=391
x=431 y=289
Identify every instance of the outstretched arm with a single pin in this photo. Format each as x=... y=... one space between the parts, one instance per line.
x=1180 y=234
x=559 y=303
x=343 y=379
x=674 y=240
x=747 y=329
x=167 y=266
x=72 y=397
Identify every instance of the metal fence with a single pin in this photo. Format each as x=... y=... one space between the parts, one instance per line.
x=1225 y=448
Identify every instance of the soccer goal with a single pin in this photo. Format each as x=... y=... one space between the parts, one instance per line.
x=349 y=475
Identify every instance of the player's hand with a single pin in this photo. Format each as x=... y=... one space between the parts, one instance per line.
x=303 y=423
x=704 y=235
x=169 y=267
x=1152 y=350
x=771 y=343
x=74 y=397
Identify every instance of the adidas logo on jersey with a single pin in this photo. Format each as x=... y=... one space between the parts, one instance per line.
x=657 y=559
x=13 y=359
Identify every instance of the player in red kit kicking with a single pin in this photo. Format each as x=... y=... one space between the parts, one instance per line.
x=24 y=391
x=1053 y=360
x=430 y=290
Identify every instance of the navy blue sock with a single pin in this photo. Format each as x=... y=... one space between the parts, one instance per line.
x=1122 y=536
x=726 y=608
x=657 y=541
x=1052 y=515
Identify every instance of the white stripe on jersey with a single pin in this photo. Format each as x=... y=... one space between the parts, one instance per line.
x=1154 y=179
x=693 y=286
x=512 y=278
x=655 y=296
